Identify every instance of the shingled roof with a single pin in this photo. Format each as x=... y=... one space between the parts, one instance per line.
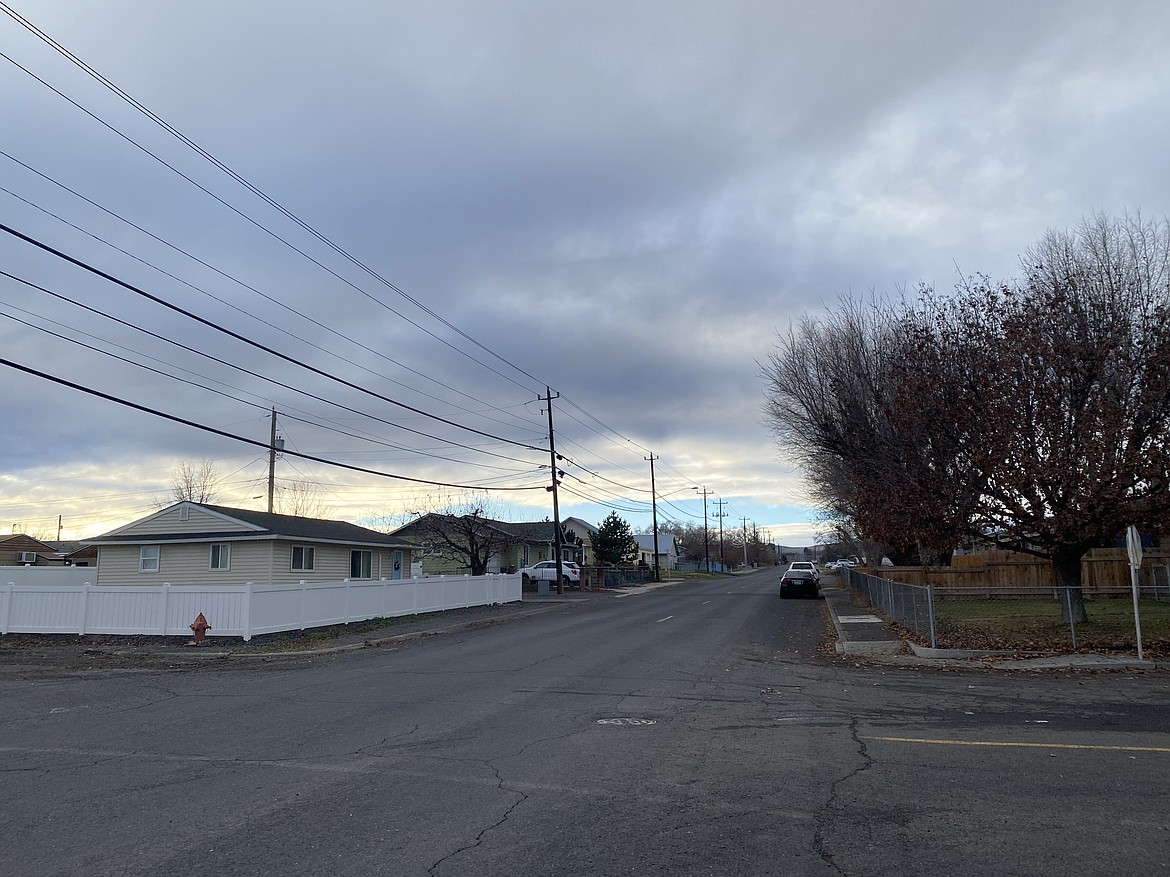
x=266 y=525
x=524 y=531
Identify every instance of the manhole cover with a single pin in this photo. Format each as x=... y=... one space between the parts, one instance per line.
x=625 y=721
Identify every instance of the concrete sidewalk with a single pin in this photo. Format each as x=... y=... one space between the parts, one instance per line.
x=860 y=631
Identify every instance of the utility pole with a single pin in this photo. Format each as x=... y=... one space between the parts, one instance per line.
x=706 y=532
x=272 y=462
x=654 y=516
x=552 y=450
x=745 y=543
x=721 y=515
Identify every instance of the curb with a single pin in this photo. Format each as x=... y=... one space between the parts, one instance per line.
x=845 y=647
x=389 y=640
x=942 y=654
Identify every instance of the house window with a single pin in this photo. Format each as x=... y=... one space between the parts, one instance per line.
x=303 y=558
x=221 y=556
x=361 y=564
x=148 y=558
x=184 y=513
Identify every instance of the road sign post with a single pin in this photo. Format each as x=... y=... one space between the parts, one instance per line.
x=1133 y=546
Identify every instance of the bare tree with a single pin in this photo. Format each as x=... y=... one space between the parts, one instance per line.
x=301 y=498
x=195 y=482
x=691 y=538
x=463 y=531
x=839 y=392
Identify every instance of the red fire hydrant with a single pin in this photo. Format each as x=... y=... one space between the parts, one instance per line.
x=200 y=627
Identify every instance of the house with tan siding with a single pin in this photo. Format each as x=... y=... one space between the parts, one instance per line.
x=191 y=543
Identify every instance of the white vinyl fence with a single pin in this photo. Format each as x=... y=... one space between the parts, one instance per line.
x=237 y=610
x=48 y=575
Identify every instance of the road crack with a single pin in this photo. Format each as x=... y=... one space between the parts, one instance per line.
x=522 y=797
x=820 y=845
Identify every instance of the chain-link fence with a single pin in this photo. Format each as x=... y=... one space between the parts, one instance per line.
x=1021 y=618
x=617 y=576
x=908 y=605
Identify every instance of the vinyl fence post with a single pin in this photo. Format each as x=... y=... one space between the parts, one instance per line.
x=6 y=620
x=247 y=619
x=84 y=610
x=164 y=609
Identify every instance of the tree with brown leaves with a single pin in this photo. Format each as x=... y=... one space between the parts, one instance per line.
x=1034 y=414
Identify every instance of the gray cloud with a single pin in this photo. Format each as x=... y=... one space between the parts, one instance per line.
x=623 y=201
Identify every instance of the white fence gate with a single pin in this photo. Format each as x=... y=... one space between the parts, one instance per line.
x=237 y=610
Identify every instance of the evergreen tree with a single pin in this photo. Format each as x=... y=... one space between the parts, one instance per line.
x=614 y=541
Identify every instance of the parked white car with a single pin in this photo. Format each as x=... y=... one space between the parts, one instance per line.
x=546 y=571
x=806 y=566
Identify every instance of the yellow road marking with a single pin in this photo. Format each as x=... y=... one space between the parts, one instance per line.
x=1020 y=745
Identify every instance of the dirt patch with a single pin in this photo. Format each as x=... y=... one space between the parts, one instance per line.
x=104 y=651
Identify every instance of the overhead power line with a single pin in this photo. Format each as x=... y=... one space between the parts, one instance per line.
x=228 y=171
x=273 y=381
x=187 y=141
x=239 y=438
x=251 y=343
x=334 y=429
x=269 y=298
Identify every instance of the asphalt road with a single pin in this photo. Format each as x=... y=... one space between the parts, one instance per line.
x=690 y=730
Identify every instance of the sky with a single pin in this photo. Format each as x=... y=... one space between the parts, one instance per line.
x=398 y=223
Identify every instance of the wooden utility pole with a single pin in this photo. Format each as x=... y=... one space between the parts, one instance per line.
x=654 y=516
x=745 y=543
x=552 y=450
x=706 y=532
x=272 y=463
x=721 y=515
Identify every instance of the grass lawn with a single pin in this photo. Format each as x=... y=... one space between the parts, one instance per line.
x=1036 y=624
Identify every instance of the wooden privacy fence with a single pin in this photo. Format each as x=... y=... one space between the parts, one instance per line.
x=1102 y=569
x=238 y=610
